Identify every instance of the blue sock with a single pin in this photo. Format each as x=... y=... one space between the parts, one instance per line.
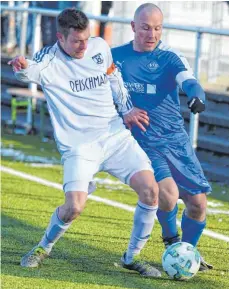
x=54 y=231
x=168 y=222
x=191 y=229
x=143 y=224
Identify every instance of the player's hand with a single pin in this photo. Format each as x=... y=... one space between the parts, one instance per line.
x=136 y=117
x=18 y=63
x=196 y=105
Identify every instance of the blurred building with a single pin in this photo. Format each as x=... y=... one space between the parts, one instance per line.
x=214 y=60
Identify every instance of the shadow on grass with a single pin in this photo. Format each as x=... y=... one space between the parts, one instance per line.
x=70 y=260
x=75 y=261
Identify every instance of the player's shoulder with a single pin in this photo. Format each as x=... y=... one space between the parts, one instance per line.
x=167 y=50
x=46 y=53
x=98 y=42
x=120 y=49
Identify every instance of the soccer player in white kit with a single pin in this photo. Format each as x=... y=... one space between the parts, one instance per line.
x=84 y=90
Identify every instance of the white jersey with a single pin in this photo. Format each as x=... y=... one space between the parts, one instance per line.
x=81 y=93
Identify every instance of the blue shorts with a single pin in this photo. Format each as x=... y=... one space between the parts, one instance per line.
x=179 y=161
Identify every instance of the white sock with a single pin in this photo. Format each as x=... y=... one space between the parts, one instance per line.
x=55 y=230
x=143 y=225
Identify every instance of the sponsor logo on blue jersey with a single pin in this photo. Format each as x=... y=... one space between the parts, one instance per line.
x=150 y=88
x=119 y=65
x=140 y=87
x=134 y=87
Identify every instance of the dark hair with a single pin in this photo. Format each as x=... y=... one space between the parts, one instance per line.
x=71 y=18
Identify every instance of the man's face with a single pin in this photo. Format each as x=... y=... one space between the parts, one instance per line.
x=76 y=42
x=147 y=28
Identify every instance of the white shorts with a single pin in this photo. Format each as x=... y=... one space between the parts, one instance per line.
x=118 y=154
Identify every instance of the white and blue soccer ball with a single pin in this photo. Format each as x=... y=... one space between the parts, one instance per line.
x=181 y=261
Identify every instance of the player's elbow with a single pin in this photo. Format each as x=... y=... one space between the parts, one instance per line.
x=19 y=76
x=193 y=89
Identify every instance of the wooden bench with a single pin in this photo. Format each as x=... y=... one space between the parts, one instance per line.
x=23 y=97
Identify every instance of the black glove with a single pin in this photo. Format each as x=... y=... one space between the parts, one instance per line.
x=196 y=105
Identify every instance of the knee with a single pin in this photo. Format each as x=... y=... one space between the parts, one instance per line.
x=70 y=213
x=149 y=194
x=75 y=211
x=74 y=205
x=146 y=187
x=167 y=199
x=197 y=211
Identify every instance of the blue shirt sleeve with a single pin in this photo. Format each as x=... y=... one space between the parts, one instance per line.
x=193 y=89
x=185 y=79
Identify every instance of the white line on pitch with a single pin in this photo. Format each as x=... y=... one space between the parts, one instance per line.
x=97 y=199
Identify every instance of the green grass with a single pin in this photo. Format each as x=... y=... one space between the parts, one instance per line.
x=31 y=145
x=84 y=258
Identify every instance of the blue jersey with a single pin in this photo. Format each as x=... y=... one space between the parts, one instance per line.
x=153 y=80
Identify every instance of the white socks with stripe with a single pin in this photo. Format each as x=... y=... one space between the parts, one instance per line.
x=143 y=225
x=54 y=231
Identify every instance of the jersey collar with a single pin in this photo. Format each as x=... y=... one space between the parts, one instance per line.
x=62 y=50
x=145 y=52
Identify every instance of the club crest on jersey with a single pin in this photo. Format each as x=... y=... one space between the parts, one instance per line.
x=98 y=58
x=153 y=65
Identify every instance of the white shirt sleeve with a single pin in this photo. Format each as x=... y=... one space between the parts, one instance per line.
x=119 y=92
x=33 y=72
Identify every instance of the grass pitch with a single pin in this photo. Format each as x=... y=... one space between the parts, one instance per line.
x=87 y=256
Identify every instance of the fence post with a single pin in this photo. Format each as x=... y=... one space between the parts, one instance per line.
x=194 y=118
x=23 y=29
x=11 y=30
x=35 y=48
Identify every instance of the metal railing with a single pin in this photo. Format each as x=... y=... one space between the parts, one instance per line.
x=38 y=12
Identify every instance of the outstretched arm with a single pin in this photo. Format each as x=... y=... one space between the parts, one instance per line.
x=26 y=70
x=18 y=63
x=131 y=115
x=195 y=95
x=188 y=83
x=119 y=92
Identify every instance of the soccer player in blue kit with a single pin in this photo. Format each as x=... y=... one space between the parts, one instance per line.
x=153 y=73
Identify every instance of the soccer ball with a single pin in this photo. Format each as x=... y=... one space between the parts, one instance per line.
x=181 y=261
